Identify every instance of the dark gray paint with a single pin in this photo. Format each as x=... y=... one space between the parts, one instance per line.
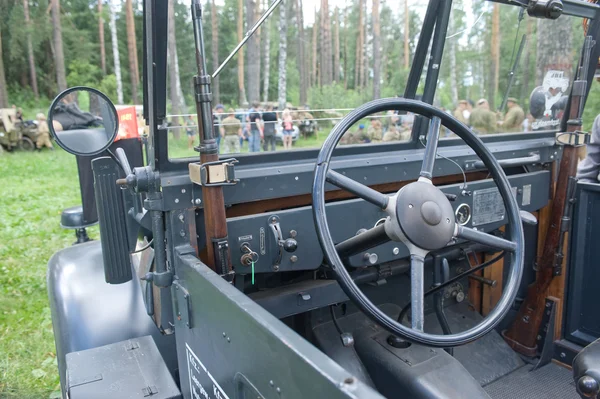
x=345 y=222
x=582 y=324
x=87 y=312
x=236 y=335
x=133 y=368
x=279 y=175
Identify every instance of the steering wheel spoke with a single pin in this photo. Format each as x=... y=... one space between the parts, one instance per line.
x=417 y=291
x=433 y=136
x=358 y=189
x=485 y=238
x=362 y=242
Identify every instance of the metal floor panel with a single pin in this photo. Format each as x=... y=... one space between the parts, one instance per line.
x=550 y=382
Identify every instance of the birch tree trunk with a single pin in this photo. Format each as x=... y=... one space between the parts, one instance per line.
x=253 y=54
x=30 y=57
x=101 y=38
x=3 y=92
x=115 y=48
x=266 y=54
x=376 y=51
x=336 y=47
x=240 y=37
x=365 y=58
x=132 y=50
x=59 y=58
x=282 y=97
x=173 y=76
x=326 y=70
x=216 y=87
x=301 y=53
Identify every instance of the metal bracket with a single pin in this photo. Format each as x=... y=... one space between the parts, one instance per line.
x=217 y=173
x=576 y=138
x=273 y=223
x=186 y=315
x=545 y=338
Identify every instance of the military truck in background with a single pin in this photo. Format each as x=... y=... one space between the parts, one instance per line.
x=16 y=134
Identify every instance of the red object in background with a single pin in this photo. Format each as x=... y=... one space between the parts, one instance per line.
x=128 y=127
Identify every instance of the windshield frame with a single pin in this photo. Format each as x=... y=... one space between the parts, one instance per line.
x=435 y=24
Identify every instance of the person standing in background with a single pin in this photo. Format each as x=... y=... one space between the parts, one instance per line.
x=233 y=131
x=288 y=129
x=254 y=118
x=482 y=120
x=513 y=120
x=269 y=118
x=217 y=129
x=459 y=112
x=43 y=138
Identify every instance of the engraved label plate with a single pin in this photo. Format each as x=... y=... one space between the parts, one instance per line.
x=488 y=206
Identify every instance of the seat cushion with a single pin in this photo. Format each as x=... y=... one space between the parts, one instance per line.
x=587 y=363
x=72 y=218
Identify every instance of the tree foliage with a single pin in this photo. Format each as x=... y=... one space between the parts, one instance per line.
x=352 y=44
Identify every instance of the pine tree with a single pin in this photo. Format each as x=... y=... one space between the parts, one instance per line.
x=282 y=89
x=101 y=38
x=132 y=50
x=336 y=47
x=30 y=57
x=216 y=88
x=495 y=56
x=253 y=54
x=240 y=55
x=266 y=53
x=3 y=91
x=301 y=58
x=406 y=54
x=315 y=30
x=59 y=57
x=376 y=51
x=325 y=40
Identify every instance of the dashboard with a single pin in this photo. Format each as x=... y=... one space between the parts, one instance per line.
x=255 y=239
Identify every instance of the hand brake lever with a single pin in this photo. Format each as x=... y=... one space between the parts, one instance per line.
x=528 y=218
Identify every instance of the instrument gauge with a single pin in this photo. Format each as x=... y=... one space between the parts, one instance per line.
x=463 y=214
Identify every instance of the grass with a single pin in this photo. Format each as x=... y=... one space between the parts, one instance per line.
x=35 y=188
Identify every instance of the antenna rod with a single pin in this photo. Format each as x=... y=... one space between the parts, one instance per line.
x=248 y=36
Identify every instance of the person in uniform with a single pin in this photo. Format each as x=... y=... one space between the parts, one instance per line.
x=43 y=138
x=514 y=118
x=233 y=131
x=459 y=112
x=269 y=119
x=392 y=134
x=217 y=129
x=375 y=131
x=482 y=120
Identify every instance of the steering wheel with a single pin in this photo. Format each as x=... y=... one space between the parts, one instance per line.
x=421 y=217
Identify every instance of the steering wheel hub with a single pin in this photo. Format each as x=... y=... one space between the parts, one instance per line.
x=425 y=215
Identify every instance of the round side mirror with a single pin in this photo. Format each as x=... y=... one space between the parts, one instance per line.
x=83 y=121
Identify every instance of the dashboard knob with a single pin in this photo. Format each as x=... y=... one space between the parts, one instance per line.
x=290 y=245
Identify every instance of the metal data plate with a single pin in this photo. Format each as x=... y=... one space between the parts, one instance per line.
x=488 y=206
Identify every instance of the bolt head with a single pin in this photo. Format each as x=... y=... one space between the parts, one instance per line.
x=396 y=250
x=197 y=201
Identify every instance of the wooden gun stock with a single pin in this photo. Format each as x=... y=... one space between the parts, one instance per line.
x=522 y=335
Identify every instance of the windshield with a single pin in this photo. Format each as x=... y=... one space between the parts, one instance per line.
x=502 y=72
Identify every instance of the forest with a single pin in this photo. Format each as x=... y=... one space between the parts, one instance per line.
x=346 y=55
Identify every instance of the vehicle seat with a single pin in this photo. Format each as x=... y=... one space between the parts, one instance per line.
x=85 y=215
x=586 y=371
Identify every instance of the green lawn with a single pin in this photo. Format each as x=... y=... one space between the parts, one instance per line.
x=35 y=188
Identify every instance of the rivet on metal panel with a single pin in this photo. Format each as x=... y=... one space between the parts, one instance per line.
x=183 y=191
x=177 y=200
x=197 y=201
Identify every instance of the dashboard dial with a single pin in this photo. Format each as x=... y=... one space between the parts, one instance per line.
x=463 y=214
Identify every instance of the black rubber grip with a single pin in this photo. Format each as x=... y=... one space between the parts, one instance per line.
x=111 y=217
